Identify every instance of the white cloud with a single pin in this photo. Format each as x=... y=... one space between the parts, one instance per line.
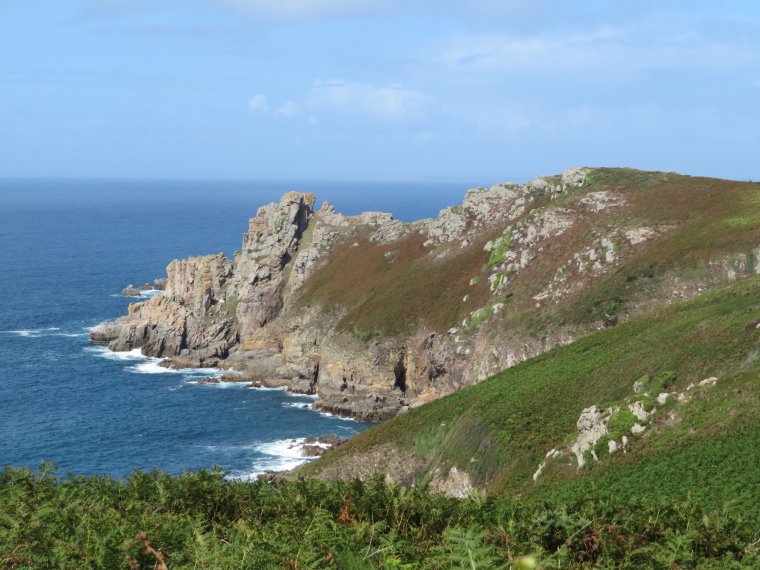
x=258 y=104
x=288 y=109
x=627 y=47
x=391 y=102
x=490 y=52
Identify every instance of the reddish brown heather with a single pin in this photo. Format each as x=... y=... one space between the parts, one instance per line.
x=391 y=294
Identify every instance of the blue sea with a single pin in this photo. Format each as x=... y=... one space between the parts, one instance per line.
x=67 y=249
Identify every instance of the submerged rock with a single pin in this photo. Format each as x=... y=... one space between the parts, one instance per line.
x=208 y=380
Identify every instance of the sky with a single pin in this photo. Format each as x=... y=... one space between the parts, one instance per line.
x=377 y=89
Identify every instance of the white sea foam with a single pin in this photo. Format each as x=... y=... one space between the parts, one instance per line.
x=300 y=405
x=298 y=395
x=151 y=367
x=103 y=352
x=150 y=292
x=220 y=384
x=333 y=416
x=148 y=364
x=283 y=448
x=143 y=294
x=265 y=389
x=33 y=332
x=279 y=455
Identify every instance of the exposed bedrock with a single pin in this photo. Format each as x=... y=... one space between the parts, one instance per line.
x=532 y=249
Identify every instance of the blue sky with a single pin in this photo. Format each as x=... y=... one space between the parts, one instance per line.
x=377 y=89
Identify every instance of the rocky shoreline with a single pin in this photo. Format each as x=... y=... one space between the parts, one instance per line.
x=528 y=250
x=310 y=447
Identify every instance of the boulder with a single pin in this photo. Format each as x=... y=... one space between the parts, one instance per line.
x=208 y=380
x=312 y=450
x=130 y=291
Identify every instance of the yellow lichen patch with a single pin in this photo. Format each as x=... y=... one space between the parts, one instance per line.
x=291 y=197
x=335 y=368
x=258 y=345
x=292 y=348
x=428 y=395
x=258 y=341
x=309 y=199
x=257 y=224
x=270 y=262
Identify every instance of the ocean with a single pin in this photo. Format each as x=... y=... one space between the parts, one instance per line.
x=67 y=249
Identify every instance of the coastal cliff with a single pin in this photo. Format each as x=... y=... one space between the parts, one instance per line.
x=376 y=316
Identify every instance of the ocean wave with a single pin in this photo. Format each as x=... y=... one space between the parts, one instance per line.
x=150 y=292
x=265 y=389
x=297 y=395
x=104 y=352
x=220 y=384
x=143 y=294
x=149 y=364
x=152 y=366
x=298 y=405
x=280 y=455
x=307 y=406
x=33 y=332
x=335 y=417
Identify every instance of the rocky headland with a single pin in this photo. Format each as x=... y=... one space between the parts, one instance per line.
x=376 y=316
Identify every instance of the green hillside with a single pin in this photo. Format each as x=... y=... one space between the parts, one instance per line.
x=500 y=430
x=391 y=289
x=685 y=495
x=683 y=491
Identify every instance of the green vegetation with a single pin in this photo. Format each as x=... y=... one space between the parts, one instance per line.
x=698 y=218
x=691 y=223
x=230 y=306
x=686 y=492
x=201 y=520
x=499 y=431
x=474 y=320
x=619 y=424
x=500 y=249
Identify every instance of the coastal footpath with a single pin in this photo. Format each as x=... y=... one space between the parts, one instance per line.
x=376 y=316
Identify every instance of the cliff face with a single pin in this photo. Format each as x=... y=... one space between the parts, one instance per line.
x=376 y=316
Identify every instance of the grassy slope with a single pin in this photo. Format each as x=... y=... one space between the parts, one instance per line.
x=698 y=218
x=500 y=429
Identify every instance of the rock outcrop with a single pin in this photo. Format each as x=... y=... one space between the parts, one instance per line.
x=531 y=250
x=130 y=291
x=630 y=419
